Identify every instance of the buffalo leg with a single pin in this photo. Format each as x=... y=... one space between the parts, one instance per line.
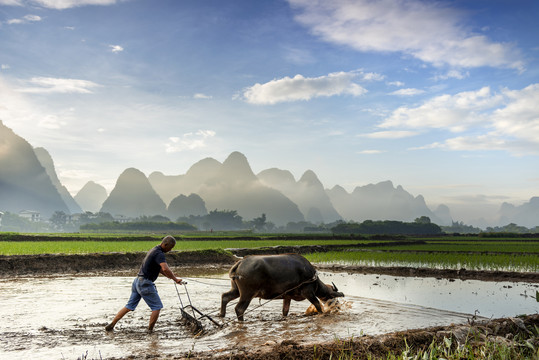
x=286 y=306
x=314 y=300
x=234 y=293
x=242 y=306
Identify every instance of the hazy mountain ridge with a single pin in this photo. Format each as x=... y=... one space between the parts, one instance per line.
x=91 y=197
x=28 y=181
x=133 y=196
x=170 y=186
x=231 y=185
x=24 y=182
x=184 y=206
x=526 y=214
x=308 y=193
x=46 y=161
x=381 y=201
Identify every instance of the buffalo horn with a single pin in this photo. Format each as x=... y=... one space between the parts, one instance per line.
x=334 y=286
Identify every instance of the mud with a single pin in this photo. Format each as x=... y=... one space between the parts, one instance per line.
x=56 y=306
x=368 y=347
x=63 y=316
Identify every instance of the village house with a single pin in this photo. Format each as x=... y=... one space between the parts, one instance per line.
x=34 y=216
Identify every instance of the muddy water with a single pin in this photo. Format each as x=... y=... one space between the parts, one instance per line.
x=63 y=317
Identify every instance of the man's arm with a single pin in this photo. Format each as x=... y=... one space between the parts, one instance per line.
x=165 y=270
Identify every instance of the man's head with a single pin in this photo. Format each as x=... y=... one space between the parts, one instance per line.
x=168 y=243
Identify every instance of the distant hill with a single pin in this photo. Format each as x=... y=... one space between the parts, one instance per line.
x=91 y=197
x=46 y=161
x=184 y=206
x=133 y=196
x=526 y=214
x=24 y=182
x=235 y=187
x=308 y=193
x=380 y=201
x=170 y=186
x=231 y=185
x=443 y=213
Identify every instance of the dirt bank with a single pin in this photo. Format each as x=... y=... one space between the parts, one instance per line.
x=73 y=264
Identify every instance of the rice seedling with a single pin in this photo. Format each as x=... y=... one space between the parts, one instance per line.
x=473 y=261
x=87 y=247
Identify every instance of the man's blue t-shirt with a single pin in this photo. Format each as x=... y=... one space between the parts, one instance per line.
x=150 y=267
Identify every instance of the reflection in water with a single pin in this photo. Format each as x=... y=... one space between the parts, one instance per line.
x=63 y=317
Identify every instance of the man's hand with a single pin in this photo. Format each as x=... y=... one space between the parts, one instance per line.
x=165 y=270
x=180 y=281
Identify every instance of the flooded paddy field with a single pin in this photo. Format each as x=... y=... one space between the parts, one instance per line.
x=63 y=317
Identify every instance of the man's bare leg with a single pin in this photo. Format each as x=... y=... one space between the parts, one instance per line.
x=153 y=319
x=118 y=316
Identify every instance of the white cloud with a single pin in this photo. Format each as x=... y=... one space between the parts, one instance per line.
x=13 y=105
x=467 y=143
x=407 y=92
x=373 y=77
x=25 y=19
x=396 y=83
x=116 y=48
x=189 y=141
x=520 y=118
x=46 y=85
x=390 y=134
x=302 y=88
x=370 y=152
x=4 y=67
x=457 y=112
x=51 y=122
x=11 y=2
x=201 y=96
x=16 y=108
x=66 y=4
x=506 y=121
x=453 y=74
x=428 y=31
x=58 y=4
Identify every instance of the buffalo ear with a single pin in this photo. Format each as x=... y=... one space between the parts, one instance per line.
x=334 y=286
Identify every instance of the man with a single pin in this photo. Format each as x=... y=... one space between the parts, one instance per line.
x=143 y=286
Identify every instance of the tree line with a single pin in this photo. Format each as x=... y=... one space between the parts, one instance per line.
x=227 y=220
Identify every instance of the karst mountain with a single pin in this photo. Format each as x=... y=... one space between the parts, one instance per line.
x=91 y=196
x=24 y=182
x=28 y=181
x=134 y=196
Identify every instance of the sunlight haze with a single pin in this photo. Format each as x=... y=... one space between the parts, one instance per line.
x=440 y=97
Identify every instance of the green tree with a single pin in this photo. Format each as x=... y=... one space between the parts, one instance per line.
x=59 y=220
x=422 y=220
x=224 y=220
x=16 y=223
x=258 y=223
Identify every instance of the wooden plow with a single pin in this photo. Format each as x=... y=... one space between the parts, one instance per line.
x=193 y=320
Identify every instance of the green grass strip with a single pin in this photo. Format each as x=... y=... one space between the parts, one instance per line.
x=503 y=262
x=524 y=247
x=88 y=247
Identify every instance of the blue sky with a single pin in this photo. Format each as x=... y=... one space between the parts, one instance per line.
x=441 y=97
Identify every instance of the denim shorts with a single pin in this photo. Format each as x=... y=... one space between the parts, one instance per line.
x=145 y=289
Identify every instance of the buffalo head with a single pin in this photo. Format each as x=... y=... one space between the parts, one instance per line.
x=327 y=292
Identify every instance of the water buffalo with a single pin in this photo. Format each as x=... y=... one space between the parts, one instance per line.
x=287 y=277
